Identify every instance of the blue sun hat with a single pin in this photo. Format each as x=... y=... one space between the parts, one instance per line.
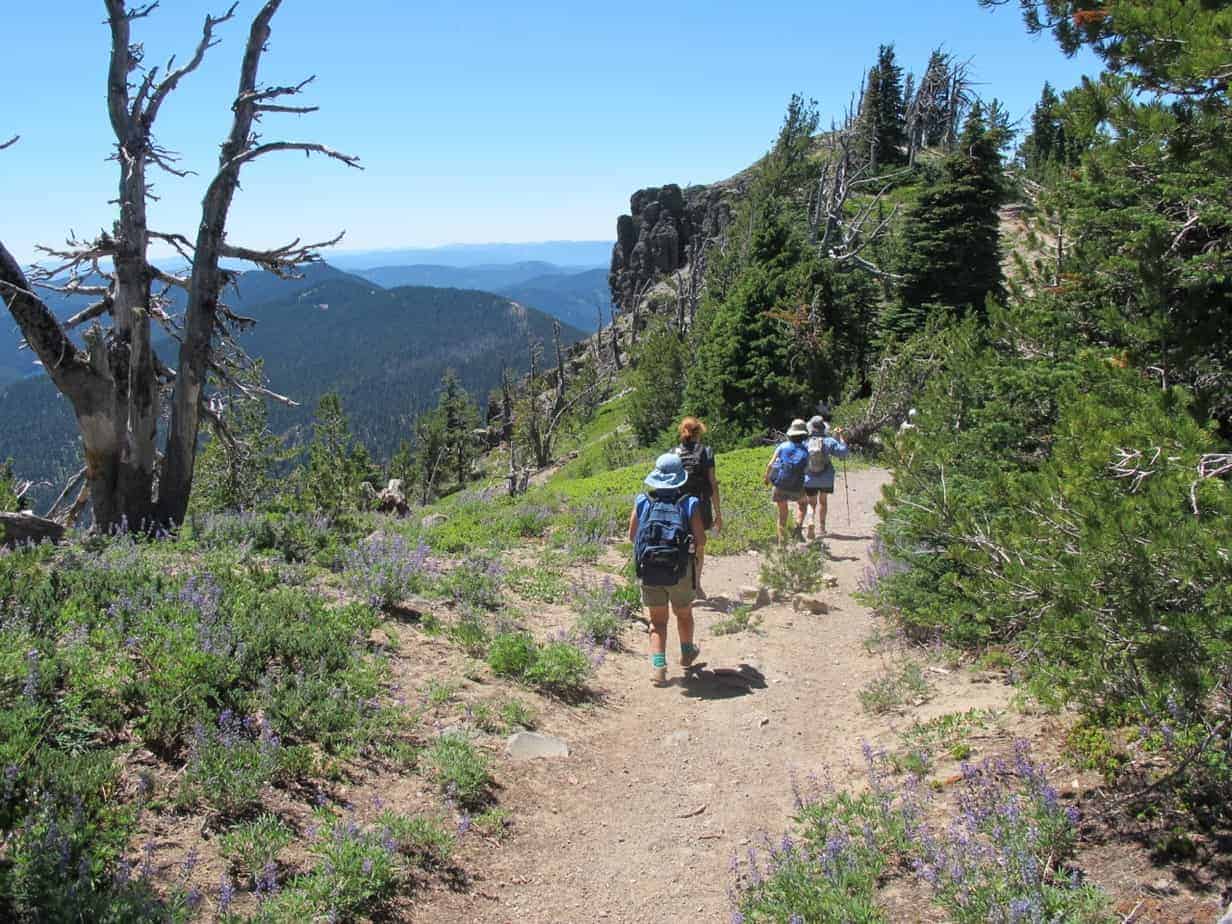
x=668 y=473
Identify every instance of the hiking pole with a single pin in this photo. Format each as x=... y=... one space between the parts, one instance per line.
x=846 y=491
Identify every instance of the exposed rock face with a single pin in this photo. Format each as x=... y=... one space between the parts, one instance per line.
x=654 y=240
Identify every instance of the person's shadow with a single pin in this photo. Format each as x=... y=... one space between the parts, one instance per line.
x=700 y=682
x=843 y=537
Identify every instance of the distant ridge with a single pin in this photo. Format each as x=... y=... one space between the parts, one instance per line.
x=576 y=255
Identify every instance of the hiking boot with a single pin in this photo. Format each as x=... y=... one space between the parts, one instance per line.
x=812 y=532
x=688 y=654
x=658 y=676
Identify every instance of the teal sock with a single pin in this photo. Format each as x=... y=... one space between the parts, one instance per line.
x=658 y=660
x=688 y=648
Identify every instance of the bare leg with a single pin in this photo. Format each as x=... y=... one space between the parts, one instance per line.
x=684 y=624
x=822 y=509
x=782 y=524
x=658 y=643
x=810 y=508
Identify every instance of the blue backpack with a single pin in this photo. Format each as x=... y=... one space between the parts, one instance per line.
x=661 y=544
x=790 y=463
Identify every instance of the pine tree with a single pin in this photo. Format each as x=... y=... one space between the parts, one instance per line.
x=460 y=417
x=430 y=454
x=750 y=370
x=658 y=380
x=338 y=464
x=883 y=111
x=951 y=245
x=1046 y=145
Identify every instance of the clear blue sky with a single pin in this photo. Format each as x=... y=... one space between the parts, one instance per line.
x=476 y=121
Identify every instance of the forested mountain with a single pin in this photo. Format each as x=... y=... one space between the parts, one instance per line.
x=383 y=351
x=575 y=298
x=251 y=288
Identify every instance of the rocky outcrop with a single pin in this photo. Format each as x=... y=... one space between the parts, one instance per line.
x=655 y=238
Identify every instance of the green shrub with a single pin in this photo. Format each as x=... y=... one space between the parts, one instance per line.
x=229 y=766
x=253 y=846
x=895 y=689
x=560 y=668
x=793 y=569
x=741 y=618
x=511 y=654
x=477 y=582
x=602 y=613
x=516 y=714
x=460 y=770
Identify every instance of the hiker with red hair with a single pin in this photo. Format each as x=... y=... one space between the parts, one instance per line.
x=703 y=484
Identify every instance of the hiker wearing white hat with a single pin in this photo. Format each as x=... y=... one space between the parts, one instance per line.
x=785 y=472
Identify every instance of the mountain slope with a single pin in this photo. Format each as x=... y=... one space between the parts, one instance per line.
x=384 y=351
x=572 y=297
x=252 y=288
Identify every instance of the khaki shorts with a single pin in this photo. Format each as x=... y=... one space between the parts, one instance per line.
x=681 y=594
x=779 y=496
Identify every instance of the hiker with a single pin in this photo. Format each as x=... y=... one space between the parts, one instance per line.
x=703 y=483
x=665 y=527
x=819 y=473
x=786 y=473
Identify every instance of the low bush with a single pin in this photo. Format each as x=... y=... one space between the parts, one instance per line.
x=793 y=569
x=999 y=853
x=602 y=613
x=385 y=569
x=253 y=847
x=460 y=770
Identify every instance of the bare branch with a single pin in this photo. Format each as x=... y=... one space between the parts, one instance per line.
x=8 y=144
x=95 y=310
x=309 y=148
x=281 y=261
x=174 y=77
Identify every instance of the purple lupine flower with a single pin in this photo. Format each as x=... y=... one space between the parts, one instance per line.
x=267 y=882
x=367 y=866
x=226 y=894
x=193 y=899
x=190 y=862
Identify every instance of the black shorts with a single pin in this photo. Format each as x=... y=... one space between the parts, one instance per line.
x=706 y=507
x=813 y=492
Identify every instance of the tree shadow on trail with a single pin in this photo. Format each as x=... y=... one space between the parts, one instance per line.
x=845 y=537
x=699 y=682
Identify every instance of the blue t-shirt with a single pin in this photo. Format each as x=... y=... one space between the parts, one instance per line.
x=690 y=505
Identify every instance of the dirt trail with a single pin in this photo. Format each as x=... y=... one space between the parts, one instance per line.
x=664 y=785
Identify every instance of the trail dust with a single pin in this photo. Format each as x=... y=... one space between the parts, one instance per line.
x=664 y=785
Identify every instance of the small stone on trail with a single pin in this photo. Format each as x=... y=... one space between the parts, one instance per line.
x=757 y=596
x=531 y=745
x=677 y=738
x=812 y=603
x=829 y=580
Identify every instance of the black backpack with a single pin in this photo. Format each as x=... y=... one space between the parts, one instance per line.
x=696 y=459
x=661 y=544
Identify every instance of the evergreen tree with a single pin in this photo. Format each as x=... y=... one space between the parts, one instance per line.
x=786 y=169
x=238 y=472
x=750 y=369
x=1046 y=144
x=933 y=100
x=431 y=453
x=338 y=464
x=9 y=501
x=951 y=238
x=460 y=417
x=658 y=381
x=883 y=111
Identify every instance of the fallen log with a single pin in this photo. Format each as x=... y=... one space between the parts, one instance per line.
x=20 y=528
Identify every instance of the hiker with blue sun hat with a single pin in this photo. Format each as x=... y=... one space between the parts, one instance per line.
x=665 y=527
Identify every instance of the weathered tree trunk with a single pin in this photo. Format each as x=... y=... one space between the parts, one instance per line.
x=115 y=385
